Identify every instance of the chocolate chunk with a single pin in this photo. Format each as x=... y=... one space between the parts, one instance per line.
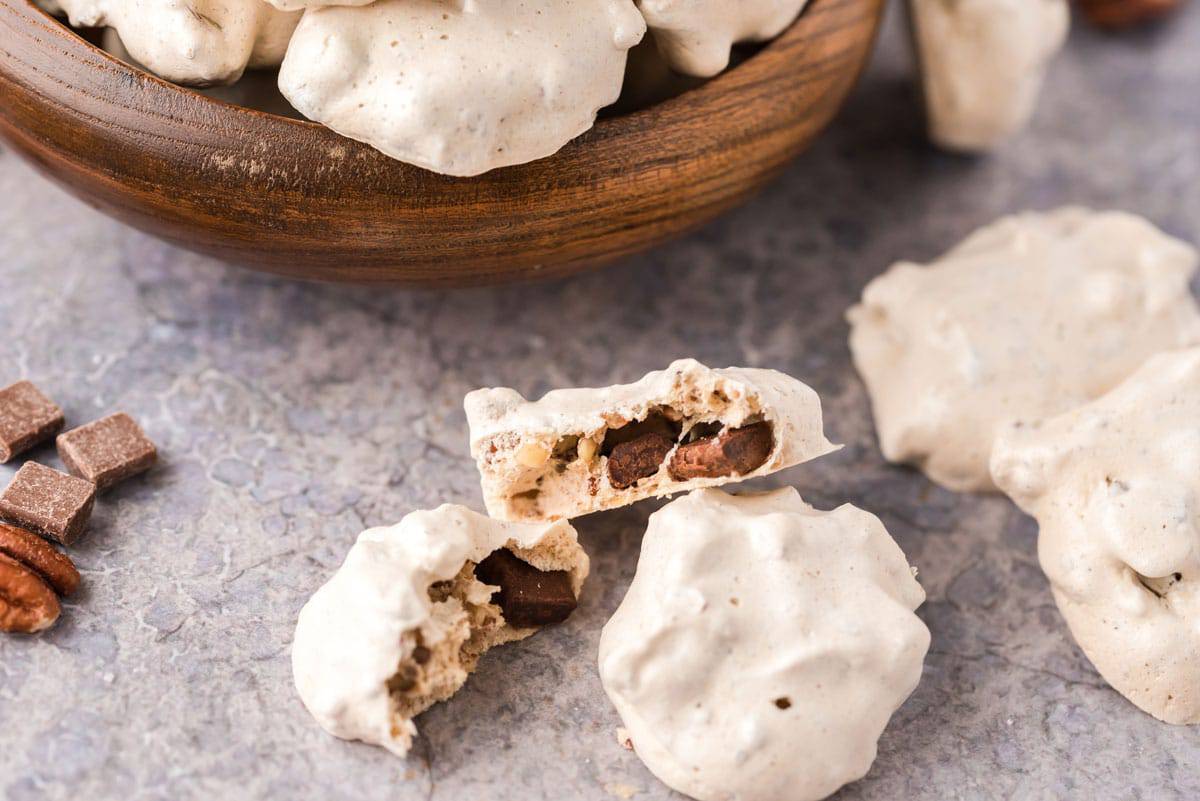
x=27 y=604
x=735 y=451
x=655 y=423
x=49 y=502
x=41 y=557
x=637 y=459
x=528 y=596
x=27 y=417
x=107 y=451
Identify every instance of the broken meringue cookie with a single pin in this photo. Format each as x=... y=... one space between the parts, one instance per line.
x=695 y=36
x=578 y=451
x=192 y=42
x=1115 y=488
x=1029 y=317
x=763 y=645
x=405 y=619
x=461 y=88
x=983 y=63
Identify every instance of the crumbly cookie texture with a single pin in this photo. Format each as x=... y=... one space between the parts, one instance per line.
x=763 y=645
x=577 y=451
x=695 y=36
x=405 y=619
x=1115 y=488
x=461 y=88
x=1029 y=317
x=983 y=63
x=192 y=42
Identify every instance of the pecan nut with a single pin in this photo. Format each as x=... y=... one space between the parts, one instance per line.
x=41 y=557
x=27 y=603
x=735 y=451
x=1119 y=14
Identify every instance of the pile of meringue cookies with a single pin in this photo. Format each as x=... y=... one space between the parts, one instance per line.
x=461 y=87
x=764 y=645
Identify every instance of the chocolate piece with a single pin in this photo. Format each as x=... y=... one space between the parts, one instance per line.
x=49 y=502
x=655 y=423
x=735 y=451
x=637 y=459
x=41 y=557
x=27 y=417
x=528 y=596
x=107 y=451
x=27 y=604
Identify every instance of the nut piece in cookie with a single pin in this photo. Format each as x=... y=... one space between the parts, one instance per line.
x=1031 y=316
x=677 y=429
x=695 y=36
x=41 y=557
x=1115 y=488
x=405 y=619
x=763 y=645
x=107 y=451
x=27 y=603
x=27 y=418
x=983 y=63
x=51 y=503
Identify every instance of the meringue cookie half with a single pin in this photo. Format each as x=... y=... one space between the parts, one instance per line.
x=1115 y=488
x=407 y=616
x=577 y=451
x=763 y=646
x=1029 y=317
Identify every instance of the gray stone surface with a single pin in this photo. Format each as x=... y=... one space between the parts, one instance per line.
x=291 y=416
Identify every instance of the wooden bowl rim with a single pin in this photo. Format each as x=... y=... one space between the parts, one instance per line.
x=606 y=126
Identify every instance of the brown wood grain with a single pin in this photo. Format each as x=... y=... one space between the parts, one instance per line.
x=294 y=198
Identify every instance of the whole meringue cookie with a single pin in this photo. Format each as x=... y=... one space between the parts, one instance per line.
x=192 y=42
x=983 y=63
x=1029 y=317
x=461 y=88
x=1115 y=488
x=695 y=36
x=406 y=618
x=763 y=646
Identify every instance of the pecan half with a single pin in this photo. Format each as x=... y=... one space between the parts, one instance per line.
x=41 y=557
x=637 y=459
x=735 y=451
x=27 y=604
x=1119 y=14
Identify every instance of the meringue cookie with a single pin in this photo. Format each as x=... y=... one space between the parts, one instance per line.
x=404 y=620
x=983 y=63
x=763 y=646
x=192 y=42
x=461 y=88
x=1115 y=488
x=559 y=457
x=695 y=36
x=1029 y=317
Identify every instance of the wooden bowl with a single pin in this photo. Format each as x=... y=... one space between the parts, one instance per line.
x=294 y=198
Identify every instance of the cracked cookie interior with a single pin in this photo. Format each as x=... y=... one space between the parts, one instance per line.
x=664 y=446
x=471 y=618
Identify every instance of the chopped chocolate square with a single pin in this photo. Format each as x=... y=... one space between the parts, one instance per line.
x=49 y=502
x=107 y=451
x=528 y=596
x=27 y=417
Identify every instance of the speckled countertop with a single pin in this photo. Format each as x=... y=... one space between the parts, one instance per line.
x=292 y=416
